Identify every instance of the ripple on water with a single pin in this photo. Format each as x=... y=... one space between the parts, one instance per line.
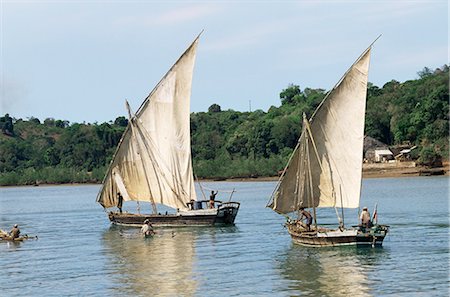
x=78 y=253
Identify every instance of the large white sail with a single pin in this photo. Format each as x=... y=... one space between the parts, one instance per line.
x=153 y=159
x=326 y=167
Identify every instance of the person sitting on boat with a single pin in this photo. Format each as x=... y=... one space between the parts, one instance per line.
x=147 y=228
x=212 y=197
x=15 y=232
x=365 y=218
x=304 y=214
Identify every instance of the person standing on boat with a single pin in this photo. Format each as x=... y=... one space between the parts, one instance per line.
x=147 y=228
x=119 y=202
x=212 y=197
x=190 y=204
x=15 y=232
x=304 y=214
x=365 y=218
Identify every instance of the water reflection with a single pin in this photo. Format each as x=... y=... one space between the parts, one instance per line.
x=343 y=271
x=11 y=245
x=162 y=265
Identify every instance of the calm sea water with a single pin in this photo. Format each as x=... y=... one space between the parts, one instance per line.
x=78 y=253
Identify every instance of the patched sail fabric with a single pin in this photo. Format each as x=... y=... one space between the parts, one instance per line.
x=153 y=159
x=326 y=167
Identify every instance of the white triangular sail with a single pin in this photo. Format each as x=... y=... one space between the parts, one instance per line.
x=153 y=158
x=326 y=167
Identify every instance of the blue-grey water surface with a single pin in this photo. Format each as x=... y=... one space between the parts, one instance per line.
x=78 y=253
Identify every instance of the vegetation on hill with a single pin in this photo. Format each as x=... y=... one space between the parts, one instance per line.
x=229 y=143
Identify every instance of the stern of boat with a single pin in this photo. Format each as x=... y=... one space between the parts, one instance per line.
x=320 y=237
x=227 y=212
x=372 y=236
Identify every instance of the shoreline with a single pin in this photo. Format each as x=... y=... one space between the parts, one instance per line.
x=377 y=170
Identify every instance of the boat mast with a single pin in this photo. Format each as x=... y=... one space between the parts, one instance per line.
x=308 y=129
x=133 y=132
x=310 y=181
x=299 y=183
x=342 y=206
x=201 y=187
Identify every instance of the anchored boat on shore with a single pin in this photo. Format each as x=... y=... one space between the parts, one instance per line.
x=153 y=163
x=325 y=169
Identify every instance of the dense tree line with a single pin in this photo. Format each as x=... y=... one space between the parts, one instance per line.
x=55 y=152
x=229 y=143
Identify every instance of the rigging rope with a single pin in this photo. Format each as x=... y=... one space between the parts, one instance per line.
x=223 y=191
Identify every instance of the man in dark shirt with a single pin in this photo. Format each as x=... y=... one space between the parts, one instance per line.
x=212 y=197
x=119 y=202
x=304 y=214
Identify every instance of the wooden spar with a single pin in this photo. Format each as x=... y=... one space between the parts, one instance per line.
x=341 y=221
x=143 y=166
x=308 y=128
x=301 y=180
x=310 y=137
x=342 y=206
x=311 y=186
x=201 y=188
x=231 y=195
x=298 y=187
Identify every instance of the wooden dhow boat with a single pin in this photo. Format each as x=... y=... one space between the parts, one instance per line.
x=152 y=162
x=325 y=169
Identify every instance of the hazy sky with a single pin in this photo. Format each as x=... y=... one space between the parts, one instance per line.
x=80 y=60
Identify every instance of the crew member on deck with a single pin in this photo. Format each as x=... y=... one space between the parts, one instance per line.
x=365 y=218
x=212 y=197
x=304 y=214
x=119 y=202
x=190 y=204
x=15 y=232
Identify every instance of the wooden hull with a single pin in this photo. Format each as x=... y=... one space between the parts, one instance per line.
x=326 y=238
x=224 y=215
x=19 y=239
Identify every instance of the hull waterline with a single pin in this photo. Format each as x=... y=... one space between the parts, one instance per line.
x=327 y=238
x=223 y=215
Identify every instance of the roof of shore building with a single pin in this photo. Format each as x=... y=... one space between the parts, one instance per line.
x=372 y=143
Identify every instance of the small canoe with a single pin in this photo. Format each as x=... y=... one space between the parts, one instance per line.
x=18 y=239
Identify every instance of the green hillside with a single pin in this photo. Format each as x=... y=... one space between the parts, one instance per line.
x=229 y=143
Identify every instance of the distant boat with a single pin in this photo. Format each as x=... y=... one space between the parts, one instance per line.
x=325 y=169
x=152 y=162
